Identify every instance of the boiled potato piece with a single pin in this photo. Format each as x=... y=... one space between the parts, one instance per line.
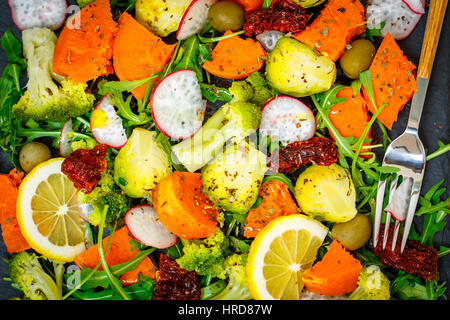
x=295 y=69
x=32 y=154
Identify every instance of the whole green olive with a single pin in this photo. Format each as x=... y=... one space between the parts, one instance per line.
x=357 y=58
x=32 y=154
x=226 y=15
x=353 y=234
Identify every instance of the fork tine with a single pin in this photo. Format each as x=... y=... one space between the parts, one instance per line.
x=394 y=239
x=415 y=192
x=388 y=214
x=378 y=210
x=386 y=229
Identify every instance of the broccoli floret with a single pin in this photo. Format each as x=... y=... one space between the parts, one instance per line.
x=233 y=120
x=241 y=91
x=254 y=89
x=107 y=192
x=372 y=285
x=27 y=273
x=44 y=99
x=237 y=288
x=205 y=257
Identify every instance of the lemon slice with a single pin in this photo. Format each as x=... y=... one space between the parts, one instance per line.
x=47 y=212
x=279 y=254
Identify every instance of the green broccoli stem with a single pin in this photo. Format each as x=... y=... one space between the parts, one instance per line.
x=59 y=274
x=115 y=283
x=194 y=153
x=358 y=294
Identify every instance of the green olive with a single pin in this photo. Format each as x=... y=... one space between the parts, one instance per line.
x=226 y=15
x=357 y=58
x=32 y=154
x=353 y=234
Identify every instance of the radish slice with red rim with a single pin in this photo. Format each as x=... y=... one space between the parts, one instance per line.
x=144 y=225
x=269 y=39
x=399 y=19
x=28 y=14
x=65 y=139
x=194 y=18
x=416 y=6
x=106 y=125
x=399 y=204
x=178 y=106
x=287 y=120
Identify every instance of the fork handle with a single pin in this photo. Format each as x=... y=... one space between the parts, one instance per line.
x=430 y=42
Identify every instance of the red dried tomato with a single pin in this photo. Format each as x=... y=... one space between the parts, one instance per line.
x=174 y=283
x=85 y=167
x=319 y=150
x=284 y=16
x=416 y=258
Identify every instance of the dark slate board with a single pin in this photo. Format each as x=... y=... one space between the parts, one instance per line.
x=434 y=126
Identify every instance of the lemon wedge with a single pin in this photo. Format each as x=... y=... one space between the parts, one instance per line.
x=279 y=254
x=47 y=212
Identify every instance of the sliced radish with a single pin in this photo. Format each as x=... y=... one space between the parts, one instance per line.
x=398 y=206
x=177 y=104
x=28 y=14
x=399 y=19
x=288 y=120
x=106 y=125
x=269 y=39
x=194 y=19
x=144 y=226
x=416 y=6
x=65 y=139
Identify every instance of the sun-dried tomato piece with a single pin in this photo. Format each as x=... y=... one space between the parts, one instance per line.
x=416 y=258
x=175 y=283
x=319 y=150
x=85 y=167
x=284 y=16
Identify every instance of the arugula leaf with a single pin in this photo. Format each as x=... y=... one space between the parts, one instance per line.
x=175 y=251
x=213 y=93
x=266 y=4
x=387 y=169
x=407 y=286
x=122 y=86
x=217 y=39
x=191 y=47
x=443 y=148
x=374 y=31
x=13 y=49
x=143 y=290
x=10 y=93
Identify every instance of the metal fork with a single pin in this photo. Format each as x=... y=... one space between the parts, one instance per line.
x=406 y=152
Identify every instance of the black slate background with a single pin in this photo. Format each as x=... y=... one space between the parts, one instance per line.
x=434 y=126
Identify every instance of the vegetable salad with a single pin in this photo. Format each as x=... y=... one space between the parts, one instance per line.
x=163 y=148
